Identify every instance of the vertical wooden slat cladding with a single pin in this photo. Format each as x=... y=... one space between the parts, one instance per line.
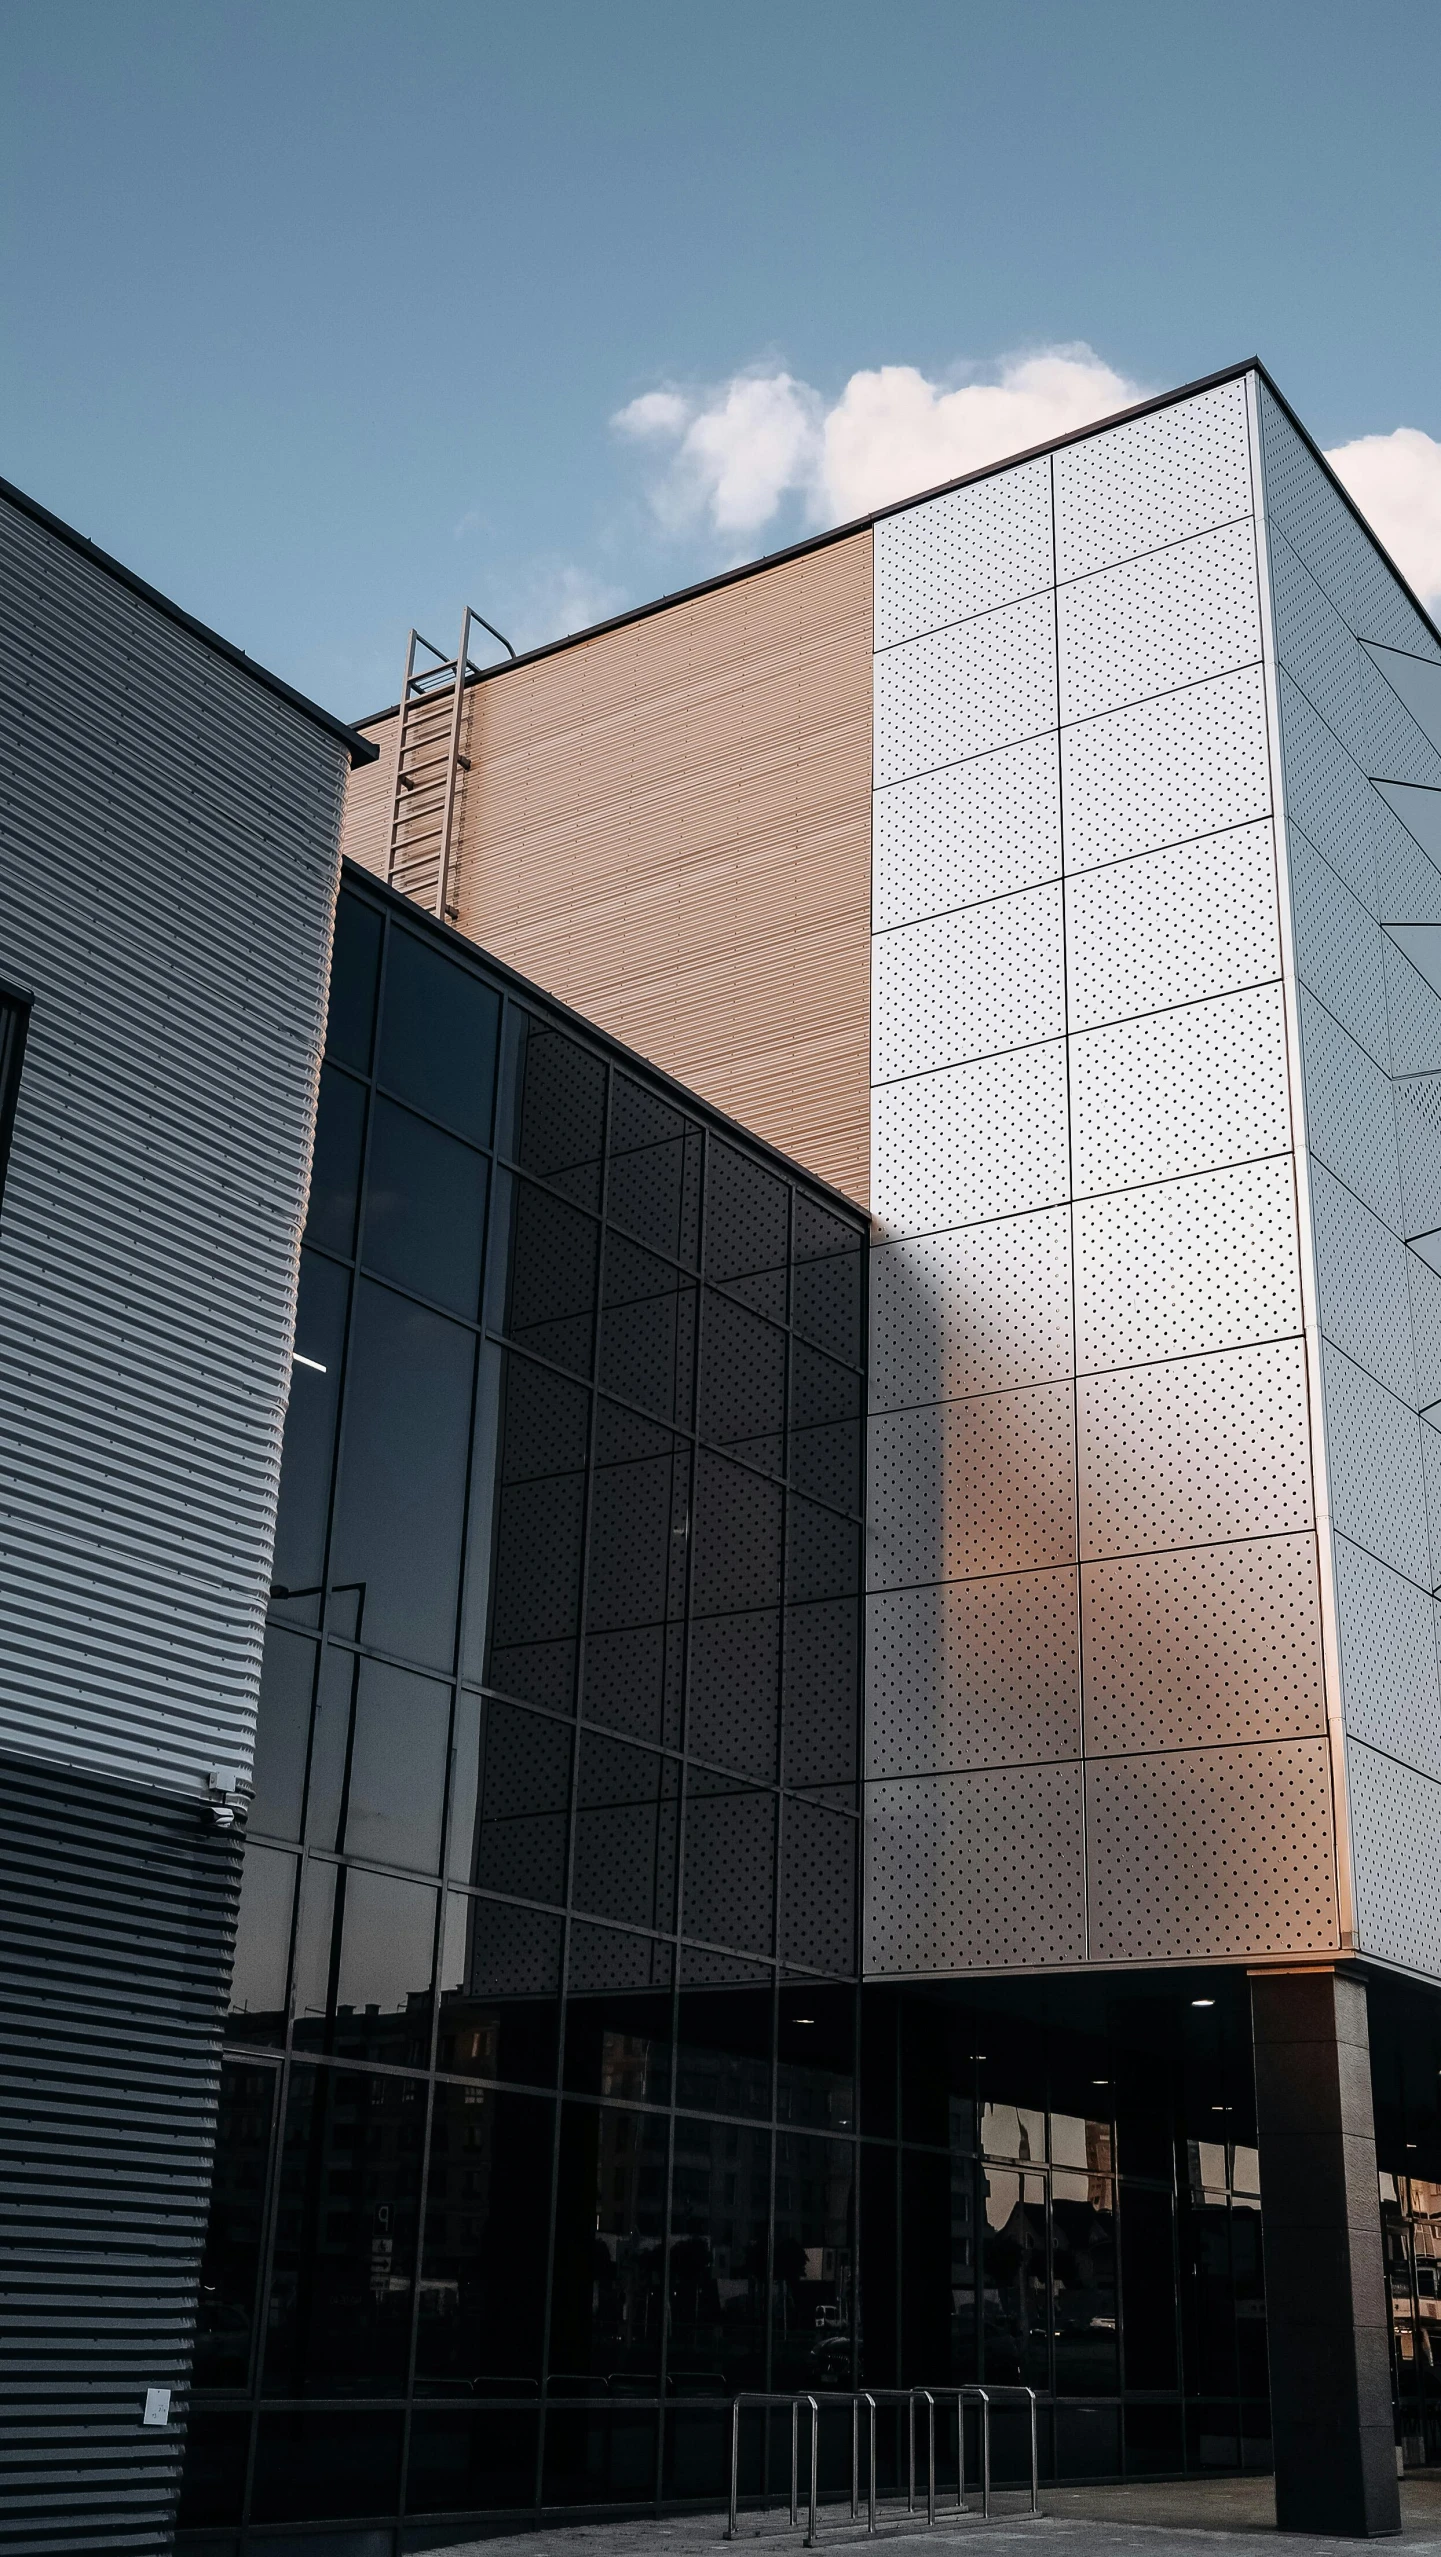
x=668 y=826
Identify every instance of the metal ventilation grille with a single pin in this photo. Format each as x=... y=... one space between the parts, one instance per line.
x=986 y=1485
x=1157 y=479
x=1195 y=1450
x=985 y=683
x=977 y=1140
x=974 y=1673
x=1339 y=950
x=1183 y=1266
x=1153 y=624
x=968 y=985
x=1163 y=771
x=1415 y=1016
x=1349 y=1117
x=978 y=829
x=1222 y=1643
x=1180 y=1091
x=1327 y=797
x=1321 y=528
x=1171 y=927
x=972 y=1311
x=963 y=553
x=1378 y=1488
x=1200 y=1853
x=1316 y=648
x=1361 y=1280
x=1388 y=1659
x=975 y=1871
x=1396 y=1830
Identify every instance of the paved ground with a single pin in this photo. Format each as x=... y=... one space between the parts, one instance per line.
x=1228 y=2513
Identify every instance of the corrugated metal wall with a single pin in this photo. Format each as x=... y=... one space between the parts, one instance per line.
x=167 y=870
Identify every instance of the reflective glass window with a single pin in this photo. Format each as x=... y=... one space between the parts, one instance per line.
x=335 y=1164
x=723 y=2051
x=424 y=1210
x=729 y=1887
x=558 y=1118
x=354 y=969
x=720 y=2230
x=636 y=1572
x=823 y=1554
x=821 y=1720
x=1016 y=2322
x=482 y=2278
x=609 y=2292
x=1083 y=2268
x=742 y=1383
x=654 y=1171
x=401 y=1499
x=262 y=1945
x=523 y=1811
x=438 y=1036
x=314 y=2465
x=738 y=1530
x=344 y=2266
x=618 y=2016
x=282 y=1733
x=813 y=2292
x=825 y=1443
x=330 y=1746
x=470 y=2460
x=499 y=1978
x=816 y=2070
x=625 y=1832
x=230 y=2271
x=395 y=1799
x=647 y=1331
x=819 y=1877
x=633 y=1680
x=1148 y=2286
x=828 y=1280
x=747 y=1229
x=734 y=1696
x=217 y=2455
x=539 y=1540
x=549 y=1276
x=385 y=1970
x=309 y=1450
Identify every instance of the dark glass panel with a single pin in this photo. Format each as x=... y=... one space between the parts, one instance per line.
x=647 y=1331
x=625 y=1833
x=315 y=1951
x=720 y=2213
x=470 y=2462
x=539 y=1534
x=821 y=1391
x=282 y=1733
x=1016 y=2322
x=1148 y=2287
x=618 y=2016
x=545 y=1422
x=1087 y=2443
x=880 y=2285
x=1153 y=2440
x=821 y=1720
x=230 y=2271
x=520 y=1832
x=499 y=1979
x=747 y=1229
x=487 y=2213
x=386 y=1968
x=1213 y=2435
x=610 y=2221
x=813 y=2286
x=401 y=1500
x=880 y=2025
x=551 y=1276
x=636 y=1572
x=354 y=967
x=634 y=1680
x=818 y=1886
x=437 y=1036
x=702 y=1966
x=826 y=1426
x=262 y=1945
x=1208 y=2296
x=742 y=1383
x=327 y=2467
x=217 y=2452
x=723 y=2051
x=424 y=1210
x=816 y=2057
x=1083 y=2277
x=939 y=2041
x=309 y=1450
x=395 y=1800
x=558 y=1118
x=929 y=2246
x=1248 y=2276
x=330 y=1746
x=344 y=2252
x=654 y=1177
x=599 y=2458
x=335 y=1166
x=729 y=1891
x=735 y=1691
x=823 y=1554
x=828 y=1281
x=737 y=1538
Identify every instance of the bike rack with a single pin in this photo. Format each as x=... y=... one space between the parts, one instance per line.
x=871 y=2398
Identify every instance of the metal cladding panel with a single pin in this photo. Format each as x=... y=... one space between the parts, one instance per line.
x=1199 y=1853
x=984 y=1871
x=1150 y=625
x=978 y=829
x=972 y=1311
x=1431 y=1468
x=1193 y=1451
x=1415 y=682
x=1401 y=733
x=964 y=553
x=1361 y=1283
x=168 y=851
x=984 y=1485
x=1415 y=1016
x=1316 y=649
x=1349 y=1113
x=1172 y=927
x=118 y=1910
x=1183 y=1266
x=1158 y=479
x=1418 y=1147
x=1424 y=1288
x=1389 y=1678
x=1340 y=955
x=1324 y=533
x=1378 y=1486
x=1166 y=770
x=1419 y=811
x=988 y=1139
x=1218 y=1643
x=973 y=1673
x=1180 y=1091
x=1396 y=1832
x=972 y=984
x=1327 y=795
x=984 y=683
x=1408 y=882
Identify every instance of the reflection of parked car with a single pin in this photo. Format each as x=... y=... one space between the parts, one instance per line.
x=828 y=2361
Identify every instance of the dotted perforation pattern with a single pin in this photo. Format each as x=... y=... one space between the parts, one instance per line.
x=973 y=1141
x=1194 y=1450
x=1218 y=1643
x=1424 y=1289
x=1187 y=764
x=1396 y=1843
x=1361 y=1282
x=1155 y=480
x=972 y=984
x=1397 y=744
x=1338 y=945
x=973 y=1872
x=1389 y=1681
x=1327 y=794
x=982 y=1308
x=1350 y=1120
x=1317 y=522
x=983 y=1485
x=1414 y=1011
x=1150 y=625
x=1431 y=1468
x=1175 y=926
x=1185 y=1266
x=973 y=1673
x=977 y=829
x=1180 y=1091
x=1316 y=649
x=1408 y=885
x=1418 y=1144
x=1373 y=1456
x=1206 y=1854
x=987 y=682
x=963 y=553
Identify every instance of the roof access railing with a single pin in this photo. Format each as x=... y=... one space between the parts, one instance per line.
x=972 y=2394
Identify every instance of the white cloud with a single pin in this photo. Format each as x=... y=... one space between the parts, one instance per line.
x=560 y=598
x=736 y=451
x=1396 y=481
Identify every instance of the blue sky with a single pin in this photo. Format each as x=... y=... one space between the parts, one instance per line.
x=320 y=314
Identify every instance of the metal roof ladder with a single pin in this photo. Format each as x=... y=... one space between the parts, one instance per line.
x=420 y=850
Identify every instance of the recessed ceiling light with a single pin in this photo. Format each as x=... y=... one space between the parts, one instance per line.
x=803 y=2019
x=1203 y=2002
x=1100 y=2081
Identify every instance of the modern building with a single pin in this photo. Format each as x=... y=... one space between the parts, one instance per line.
x=725 y=1907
